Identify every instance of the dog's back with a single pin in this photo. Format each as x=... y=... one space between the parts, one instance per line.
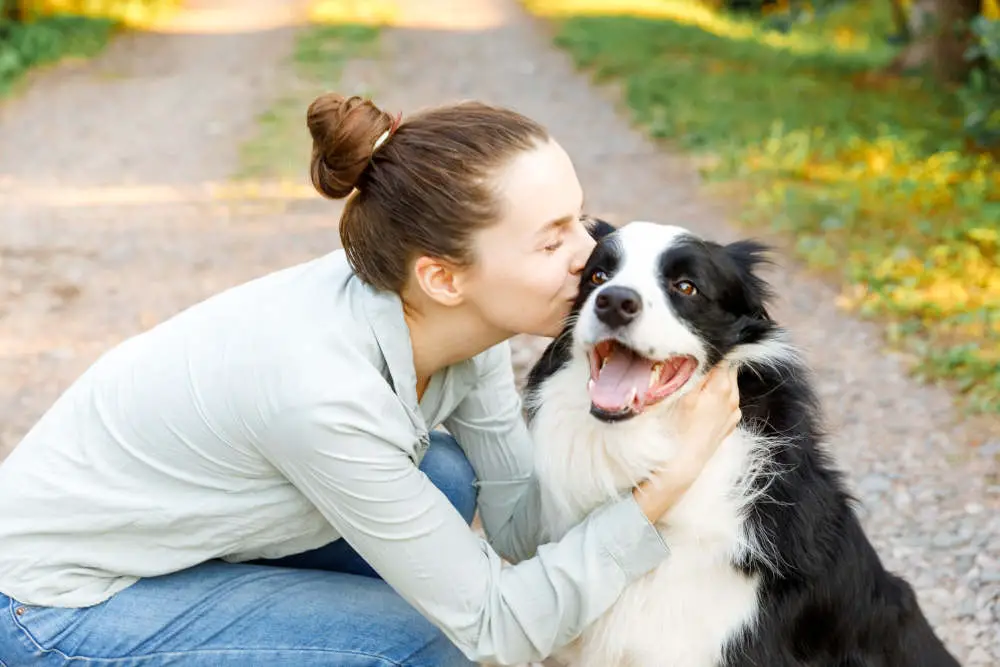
x=826 y=599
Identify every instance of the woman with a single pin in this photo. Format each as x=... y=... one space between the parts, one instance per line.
x=254 y=481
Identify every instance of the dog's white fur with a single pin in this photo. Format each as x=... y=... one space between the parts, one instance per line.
x=683 y=612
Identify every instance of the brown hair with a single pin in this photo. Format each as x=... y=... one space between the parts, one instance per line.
x=424 y=190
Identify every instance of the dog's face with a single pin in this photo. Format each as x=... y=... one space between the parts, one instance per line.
x=658 y=308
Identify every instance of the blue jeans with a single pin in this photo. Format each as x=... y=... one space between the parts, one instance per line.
x=323 y=607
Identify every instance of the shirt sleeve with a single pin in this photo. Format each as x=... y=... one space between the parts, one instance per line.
x=375 y=496
x=489 y=426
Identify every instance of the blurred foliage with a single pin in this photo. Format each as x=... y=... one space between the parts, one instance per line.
x=40 y=32
x=871 y=177
x=981 y=96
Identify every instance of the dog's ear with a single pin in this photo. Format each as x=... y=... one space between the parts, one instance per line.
x=746 y=256
x=598 y=228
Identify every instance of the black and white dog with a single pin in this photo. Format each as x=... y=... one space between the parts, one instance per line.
x=768 y=565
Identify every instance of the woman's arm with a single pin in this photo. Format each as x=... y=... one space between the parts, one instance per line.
x=490 y=428
x=369 y=489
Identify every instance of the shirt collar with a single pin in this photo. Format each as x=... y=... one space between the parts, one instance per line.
x=384 y=310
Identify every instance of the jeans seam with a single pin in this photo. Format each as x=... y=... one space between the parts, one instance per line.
x=138 y=659
x=162 y=654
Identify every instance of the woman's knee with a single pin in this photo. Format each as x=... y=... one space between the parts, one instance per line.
x=446 y=465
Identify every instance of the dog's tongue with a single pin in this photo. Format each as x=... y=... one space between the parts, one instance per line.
x=612 y=388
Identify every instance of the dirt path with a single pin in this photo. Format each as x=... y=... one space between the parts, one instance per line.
x=108 y=224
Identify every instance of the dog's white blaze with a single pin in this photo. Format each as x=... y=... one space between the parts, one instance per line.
x=638 y=270
x=682 y=613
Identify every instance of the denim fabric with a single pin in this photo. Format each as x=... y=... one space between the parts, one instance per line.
x=323 y=607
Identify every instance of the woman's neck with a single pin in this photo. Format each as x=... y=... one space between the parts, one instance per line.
x=444 y=337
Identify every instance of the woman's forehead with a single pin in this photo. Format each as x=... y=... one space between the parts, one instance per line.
x=540 y=187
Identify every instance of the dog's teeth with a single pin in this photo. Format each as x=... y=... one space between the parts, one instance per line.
x=590 y=384
x=604 y=361
x=654 y=375
x=633 y=396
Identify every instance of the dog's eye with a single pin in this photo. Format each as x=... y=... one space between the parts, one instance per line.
x=598 y=277
x=686 y=287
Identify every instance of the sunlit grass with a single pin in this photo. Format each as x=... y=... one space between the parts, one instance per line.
x=340 y=30
x=843 y=39
x=868 y=175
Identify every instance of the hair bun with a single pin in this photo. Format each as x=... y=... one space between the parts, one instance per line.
x=344 y=131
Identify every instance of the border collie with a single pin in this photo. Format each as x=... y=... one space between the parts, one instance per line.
x=768 y=564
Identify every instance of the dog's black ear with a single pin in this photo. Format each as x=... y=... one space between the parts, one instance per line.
x=746 y=256
x=598 y=228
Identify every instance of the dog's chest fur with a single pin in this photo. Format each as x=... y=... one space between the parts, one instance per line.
x=683 y=613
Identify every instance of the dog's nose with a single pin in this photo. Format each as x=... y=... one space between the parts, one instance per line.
x=616 y=306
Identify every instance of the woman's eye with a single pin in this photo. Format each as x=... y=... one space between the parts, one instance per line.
x=552 y=247
x=686 y=287
x=598 y=277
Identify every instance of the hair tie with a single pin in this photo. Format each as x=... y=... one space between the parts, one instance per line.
x=382 y=138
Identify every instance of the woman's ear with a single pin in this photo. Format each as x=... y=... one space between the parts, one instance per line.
x=439 y=280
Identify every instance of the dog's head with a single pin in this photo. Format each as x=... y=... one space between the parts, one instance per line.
x=658 y=308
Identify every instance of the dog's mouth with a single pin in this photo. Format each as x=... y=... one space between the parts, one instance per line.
x=623 y=383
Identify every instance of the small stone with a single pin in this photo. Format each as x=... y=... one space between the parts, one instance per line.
x=990 y=576
x=974 y=508
x=990 y=448
x=966 y=609
x=979 y=656
x=945 y=540
x=874 y=483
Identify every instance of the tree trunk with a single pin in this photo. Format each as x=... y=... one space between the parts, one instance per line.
x=940 y=38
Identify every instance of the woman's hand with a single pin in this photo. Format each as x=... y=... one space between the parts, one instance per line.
x=704 y=417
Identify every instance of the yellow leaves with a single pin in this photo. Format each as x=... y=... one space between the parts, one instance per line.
x=847 y=38
x=986 y=239
x=949 y=280
x=878 y=162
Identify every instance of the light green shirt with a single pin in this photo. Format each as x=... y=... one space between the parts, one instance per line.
x=281 y=415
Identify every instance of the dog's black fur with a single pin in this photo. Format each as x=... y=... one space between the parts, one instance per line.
x=827 y=600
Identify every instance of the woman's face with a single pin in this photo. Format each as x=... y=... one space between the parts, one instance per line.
x=528 y=265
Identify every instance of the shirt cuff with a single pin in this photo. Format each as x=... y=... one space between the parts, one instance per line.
x=630 y=539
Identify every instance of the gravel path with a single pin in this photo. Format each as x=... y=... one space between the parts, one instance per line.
x=108 y=224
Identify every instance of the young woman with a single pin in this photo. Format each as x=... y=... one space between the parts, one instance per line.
x=255 y=480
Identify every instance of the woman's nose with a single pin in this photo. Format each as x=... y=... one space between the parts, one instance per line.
x=585 y=245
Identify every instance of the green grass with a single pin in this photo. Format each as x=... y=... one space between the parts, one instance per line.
x=867 y=176
x=280 y=149
x=46 y=40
